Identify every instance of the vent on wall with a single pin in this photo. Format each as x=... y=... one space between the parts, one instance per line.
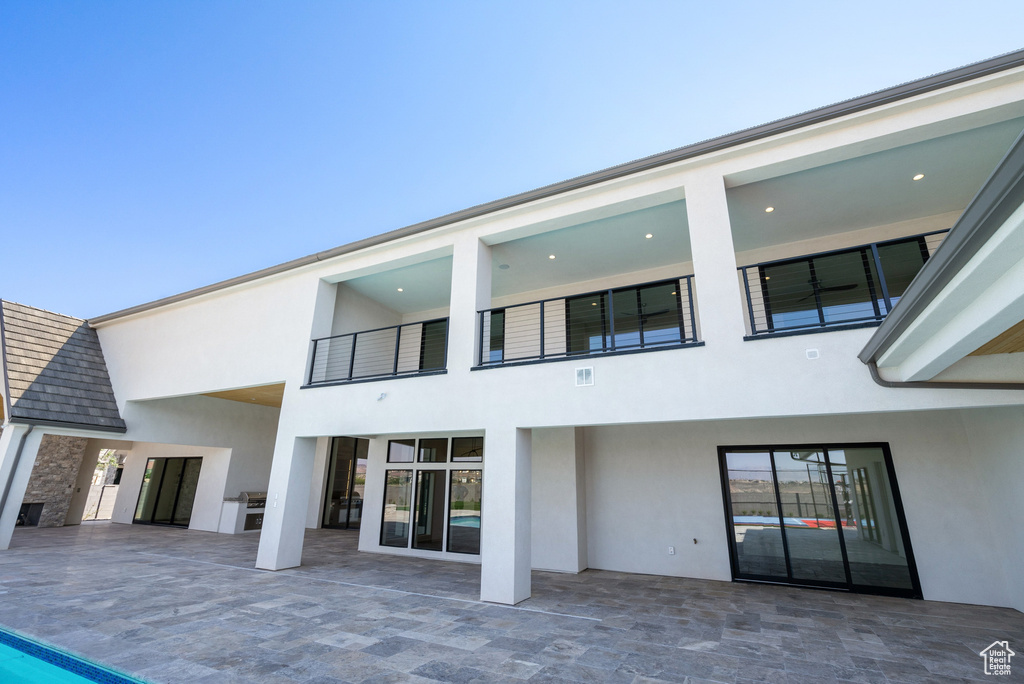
x=585 y=376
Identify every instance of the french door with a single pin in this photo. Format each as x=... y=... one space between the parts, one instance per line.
x=168 y=491
x=818 y=515
x=346 y=480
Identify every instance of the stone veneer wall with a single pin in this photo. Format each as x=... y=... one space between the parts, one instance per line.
x=53 y=477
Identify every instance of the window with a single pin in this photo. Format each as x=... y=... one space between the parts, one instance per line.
x=839 y=287
x=628 y=318
x=434 y=503
x=433 y=345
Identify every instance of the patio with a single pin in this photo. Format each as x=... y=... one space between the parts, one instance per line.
x=172 y=605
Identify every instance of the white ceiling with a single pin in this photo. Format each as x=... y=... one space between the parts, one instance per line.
x=426 y=286
x=592 y=250
x=872 y=190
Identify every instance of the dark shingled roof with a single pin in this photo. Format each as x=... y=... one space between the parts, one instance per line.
x=54 y=372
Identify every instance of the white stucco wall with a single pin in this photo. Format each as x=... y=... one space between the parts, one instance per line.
x=654 y=486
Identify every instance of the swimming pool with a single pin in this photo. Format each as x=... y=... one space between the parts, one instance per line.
x=26 y=661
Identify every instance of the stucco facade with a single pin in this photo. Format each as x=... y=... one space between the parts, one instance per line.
x=625 y=472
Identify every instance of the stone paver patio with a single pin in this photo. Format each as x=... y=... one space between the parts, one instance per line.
x=172 y=605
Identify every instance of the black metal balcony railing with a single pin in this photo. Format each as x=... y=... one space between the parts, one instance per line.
x=652 y=315
x=399 y=350
x=850 y=287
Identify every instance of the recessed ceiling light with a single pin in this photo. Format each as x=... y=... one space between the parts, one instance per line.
x=649 y=236
x=673 y=293
x=919 y=176
x=551 y=256
x=593 y=303
x=769 y=210
x=503 y=267
x=401 y=290
x=767 y=277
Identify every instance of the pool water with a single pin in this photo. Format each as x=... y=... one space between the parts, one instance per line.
x=25 y=661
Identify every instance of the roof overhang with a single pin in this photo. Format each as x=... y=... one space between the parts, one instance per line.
x=969 y=294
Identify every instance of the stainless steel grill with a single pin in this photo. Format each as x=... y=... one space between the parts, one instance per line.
x=254 y=499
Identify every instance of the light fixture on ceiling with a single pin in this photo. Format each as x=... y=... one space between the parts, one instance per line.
x=503 y=267
x=919 y=176
x=551 y=256
x=673 y=293
x=401 y=290
x=769 y=210
x=649 y=236
x=593 y=303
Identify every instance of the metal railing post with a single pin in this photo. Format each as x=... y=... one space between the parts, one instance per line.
x=881 y=277
x=542 y=330
x=480 y=356
x=750 y=302
x=693 y=315
x=312 y=365
x=611 y=319
x=352 y=356
x=398 y=344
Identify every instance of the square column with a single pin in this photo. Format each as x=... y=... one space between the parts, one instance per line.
x=505 y=534
x=284 y=522
x=720 y=299
x=471 y=292
x=19 y=445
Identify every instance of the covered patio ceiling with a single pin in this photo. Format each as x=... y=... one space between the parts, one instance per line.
x=871 y=190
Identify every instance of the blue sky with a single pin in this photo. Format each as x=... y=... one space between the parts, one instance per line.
x=147 y=148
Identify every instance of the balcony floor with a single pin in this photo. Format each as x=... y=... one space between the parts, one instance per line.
x=172 y=605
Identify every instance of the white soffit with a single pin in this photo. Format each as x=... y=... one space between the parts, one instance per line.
x=592 y=250
x=876 y=189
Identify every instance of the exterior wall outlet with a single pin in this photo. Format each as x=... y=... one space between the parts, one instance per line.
x=812 y=354
x=671 y=550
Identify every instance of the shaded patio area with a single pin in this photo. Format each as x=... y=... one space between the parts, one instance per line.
x=171 y=605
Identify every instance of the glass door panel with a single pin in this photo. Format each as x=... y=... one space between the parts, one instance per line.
x=168 y=491
x=150 y=484
x=757 y=536
x=814 y=550
x=464 y=511
x=339 y=480
x=187 y=491
x=429 y=510
x=346 y=481
x=870 y=524
x=394 y=529
x=355 y=507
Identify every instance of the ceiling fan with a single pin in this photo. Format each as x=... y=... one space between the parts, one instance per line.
x=817 y=288
x=643 y=315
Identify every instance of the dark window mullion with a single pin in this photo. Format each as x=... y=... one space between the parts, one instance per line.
x=838 y=519
x=782 y=520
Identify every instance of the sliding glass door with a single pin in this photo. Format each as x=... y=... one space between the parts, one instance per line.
x=168 y=491
x=346 y=480
x=818 y=515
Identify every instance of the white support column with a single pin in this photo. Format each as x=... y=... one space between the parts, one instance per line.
x=471 y=292
x=284 y=523
x=17 y=443
x=373 y=494
x=505 y=534
x=721 y=302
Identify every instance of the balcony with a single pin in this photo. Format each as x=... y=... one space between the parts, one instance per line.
x=842 y=289
x=645 y=317
x=395 y=351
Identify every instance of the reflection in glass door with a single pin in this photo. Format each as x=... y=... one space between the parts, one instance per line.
x=346 y=482
x=818 y=516
x=168 y=491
